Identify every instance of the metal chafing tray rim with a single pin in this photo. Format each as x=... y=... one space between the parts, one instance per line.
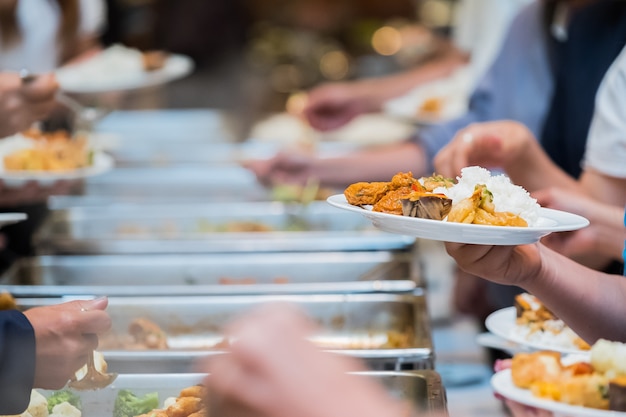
x=100 y=402
x=401 y=354
x=356 y=287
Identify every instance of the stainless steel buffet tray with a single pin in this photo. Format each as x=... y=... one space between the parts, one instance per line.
x=126 y=229
x=220 y=183
x=162 y=126
x=129 y=153
x=423 y=389
x=359 y=325
x=206 y=274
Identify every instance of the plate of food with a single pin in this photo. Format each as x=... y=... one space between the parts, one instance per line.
x=476 y=208
x=529 y=323
x=593 y=386
x=435 y=102
x=46 y=158
x=119 y=68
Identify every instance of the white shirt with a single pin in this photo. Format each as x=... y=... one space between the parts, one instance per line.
x=606 y=143
x=38 y=21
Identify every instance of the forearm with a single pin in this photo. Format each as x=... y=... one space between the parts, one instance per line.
x=534 y=170
x=388 y=87
x=590 y=302
x=373 y=164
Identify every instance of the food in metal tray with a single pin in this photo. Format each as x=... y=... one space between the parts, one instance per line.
x=190 y=402
x=144 y=334
x=62 y=403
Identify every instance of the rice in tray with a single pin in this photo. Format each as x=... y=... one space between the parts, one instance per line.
x=506 y=195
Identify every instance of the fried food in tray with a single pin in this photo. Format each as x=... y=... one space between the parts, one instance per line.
x=189 y=403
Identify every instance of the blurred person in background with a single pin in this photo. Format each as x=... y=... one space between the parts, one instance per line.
x=44 y=346
x=38 y=36
x=545 y=77
x=259 y=377
x=272 y=370
x=599 y=194
x=478 y=30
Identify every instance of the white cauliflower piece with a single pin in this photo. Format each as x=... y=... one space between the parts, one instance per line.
x=38 y=405
x=609 y=357
x=65 y=409
x=169 y=401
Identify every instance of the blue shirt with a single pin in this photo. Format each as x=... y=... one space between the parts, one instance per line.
x=518 y=86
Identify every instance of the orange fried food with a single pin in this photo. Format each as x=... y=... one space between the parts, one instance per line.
x=198 y=391
x=365 y=193
x=404 y=179
x=392 y=201
x=530 y=368
x=148 y=333
x=184 y=406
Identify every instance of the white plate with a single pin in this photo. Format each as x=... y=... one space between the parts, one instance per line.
x=549 y=221
x=502 y=322
x=75 y=79
x=102 y=163
x=453 y=91
x=502 y=383
x=10 y=218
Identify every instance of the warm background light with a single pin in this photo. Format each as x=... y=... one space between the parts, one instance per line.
x=387 y=40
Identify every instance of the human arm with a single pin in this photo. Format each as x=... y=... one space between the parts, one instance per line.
x=371 y=164
x=594 y=246
x=332 y=105
x=22 y=104
x=65 y=335
x=590 y=302
x=86 y=41
x=272 y=370
x=507 y=145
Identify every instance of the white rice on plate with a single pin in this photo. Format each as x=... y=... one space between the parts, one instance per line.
x=506 y=195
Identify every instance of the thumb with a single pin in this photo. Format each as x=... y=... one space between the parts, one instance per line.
x=99 y=303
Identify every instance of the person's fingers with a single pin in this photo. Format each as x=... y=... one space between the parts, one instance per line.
x=99 y=303
x=43 y=88
x=90 y=341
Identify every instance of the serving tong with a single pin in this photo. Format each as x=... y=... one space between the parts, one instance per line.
x=93 y=378
x=86 y=117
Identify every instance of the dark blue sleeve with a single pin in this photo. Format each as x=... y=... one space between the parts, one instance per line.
x=17 y=362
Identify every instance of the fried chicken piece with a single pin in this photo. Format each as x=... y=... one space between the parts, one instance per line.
x=392 y=201
x=198 y=391
x=365 y=193
x=155 y=413
x=404 y=179
x=185 y=406
x=148 y=333
x=530 y=368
